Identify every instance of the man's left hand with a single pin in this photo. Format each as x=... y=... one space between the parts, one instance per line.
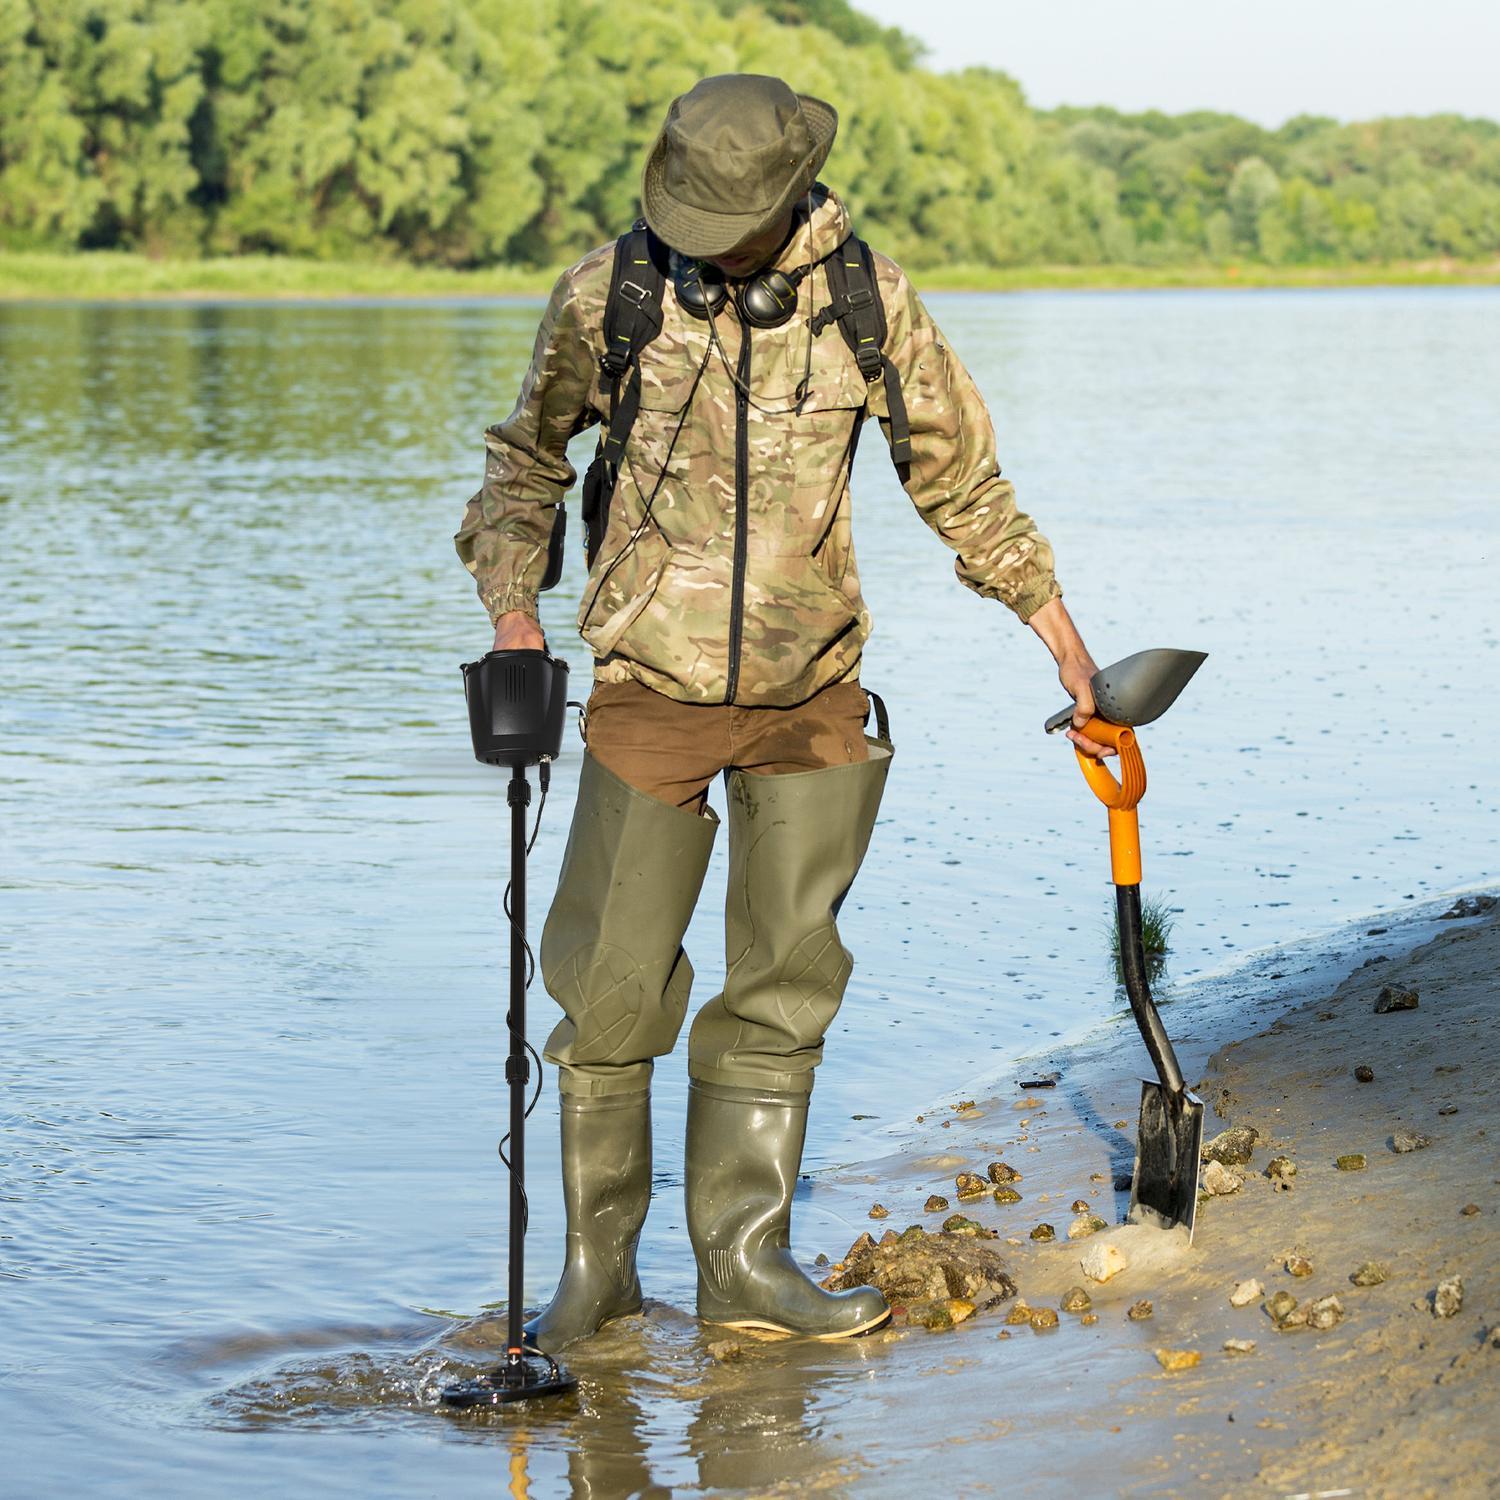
x=1075 y=669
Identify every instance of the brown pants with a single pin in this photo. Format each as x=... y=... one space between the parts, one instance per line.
x=672 y=750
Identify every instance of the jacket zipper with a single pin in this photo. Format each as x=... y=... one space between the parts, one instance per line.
x=741 y=509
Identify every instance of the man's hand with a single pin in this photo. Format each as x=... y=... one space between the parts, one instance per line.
x=518 y=631
x=1075 y=669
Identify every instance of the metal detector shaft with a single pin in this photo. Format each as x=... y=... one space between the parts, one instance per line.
x=1138 y=989
x=517 y=1072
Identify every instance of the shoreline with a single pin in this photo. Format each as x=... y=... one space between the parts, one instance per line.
x=116 y=276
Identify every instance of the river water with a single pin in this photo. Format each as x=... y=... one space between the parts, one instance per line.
x=251 y=954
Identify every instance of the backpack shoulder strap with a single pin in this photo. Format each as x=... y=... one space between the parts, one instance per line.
x=860 y=314
x=632 y=318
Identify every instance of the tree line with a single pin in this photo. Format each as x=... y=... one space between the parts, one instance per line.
x=483 y=132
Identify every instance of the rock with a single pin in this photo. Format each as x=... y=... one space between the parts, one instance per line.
x=1043 y=1317
x=1448 y=1299
x=916 y=1232
x=1325 y=1312
x=1019 y=1314
x=1364 y=1073
x=1080 y=1206
x=1076 y=1300
x=1090 y=1318
x=1409 y=1140
x=1245 y=1292
x=864 y=1243
x=1469 y=906
x=1174 y=1360
x=1469 y=1210
x=1138 y=1312
x=1239 y=1346
x=1085 y=1225
x=1280 y=1307
x=958 y=1224
x=726 y=1350
x=1044 y=1232
x=1232 y=1147
x=1380 y=958
x=1298 y=1265
x=820 y=1259
x=969 y=1184
x=1392 y=998
x=927 y=1268
x=1353 y=1162
x=1448 y=1109
x=1369 y=1273
x=889 y=1237
x=879 y=1211
x=1103 y=1262
x=1006 y=1195
x=1281 y=1170
x=1123 y=1181
x=962 y=1105
x=935 y=1204
x=1002 y=1173
x=1218 y=1180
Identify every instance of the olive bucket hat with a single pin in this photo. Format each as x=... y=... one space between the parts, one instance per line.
x=736 y=152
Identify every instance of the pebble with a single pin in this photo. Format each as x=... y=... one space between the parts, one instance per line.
x=1281 y=1170
x=879 y=1211
x=1239 y=1346
x=1138 y=1312
x=888 y=1238
x=820 y=1259
x=1448 y=1109
x=1122 y=1124
x=1075 y=1299
x=969 y=1184
x=1392 y=998
x=1298 y=1265
x=1019 y=1314
x=1353 y=1162
x=940 y=1315
x=915 y=1232
x=1085 y=1225
x=1218 y=1180
x=1044 y=1232
x=1409 y=1140
x=1232 y=1147
x=1365 y=1074
x=1090 y=1317
x=1080 y=1206
x=1006 y=1195
x=1123 y=1182
x=1102 y=1262
x=1449 y=1297
x=1043 y=1317
x=935 y=1204
x=1173 y=1360
x=1325 y=1312
x=1469 y=906
x=1469 y=1210
x=725 y=1350
x=1002 y=1172
x=1369 y=1273
x=1245 y=1292
x=959 y=1224
x=1281 y=1307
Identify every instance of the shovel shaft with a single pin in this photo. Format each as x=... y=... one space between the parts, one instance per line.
x=1133 y=966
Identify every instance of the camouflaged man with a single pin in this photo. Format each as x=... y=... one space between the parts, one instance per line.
x=724 y=614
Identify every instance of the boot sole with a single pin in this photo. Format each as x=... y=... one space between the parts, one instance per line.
x=760 y=1328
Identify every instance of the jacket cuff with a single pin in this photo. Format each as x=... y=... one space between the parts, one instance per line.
x=1034 y=596
x=513 y=596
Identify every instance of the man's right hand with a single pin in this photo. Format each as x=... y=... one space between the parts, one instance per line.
x=518 y=631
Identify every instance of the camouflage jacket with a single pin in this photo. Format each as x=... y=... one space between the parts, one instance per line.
x=727 y=591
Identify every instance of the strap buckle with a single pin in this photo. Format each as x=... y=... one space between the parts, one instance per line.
x=858 y=298
x=634 y=293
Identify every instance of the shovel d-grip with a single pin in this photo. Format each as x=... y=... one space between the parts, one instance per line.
x=1164 y=1187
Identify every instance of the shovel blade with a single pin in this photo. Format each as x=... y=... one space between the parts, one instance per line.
x=1169 y=1140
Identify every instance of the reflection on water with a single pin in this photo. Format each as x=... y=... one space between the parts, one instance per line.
x=251 y=943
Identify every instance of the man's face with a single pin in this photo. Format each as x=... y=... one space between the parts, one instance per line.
x=749 y=257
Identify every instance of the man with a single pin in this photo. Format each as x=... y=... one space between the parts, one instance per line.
x=724 y=614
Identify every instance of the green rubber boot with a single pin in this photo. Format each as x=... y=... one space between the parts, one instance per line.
x=606 y=1175
x=744 y=1149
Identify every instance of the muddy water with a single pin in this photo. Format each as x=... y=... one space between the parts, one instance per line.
x=250 y=950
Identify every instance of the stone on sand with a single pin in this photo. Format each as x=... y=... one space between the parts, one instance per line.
x=1085 y=1225
x=1351 y=1161
x=879 y=1211
x=1103 y=1261
x=1298 y=1265
x=1076 y=1300
x=969 y=1184
x=1002 y=1172
x=1044 y=1232
x=1448 y=1299
x=1138 y=1312
x=1369 y=1273
x=926 y=1268
x=1246 y=1292
x=1232 y=1147
x=1409 y=1140
x=1219 y=1181
x=1393 y=998
x=935 y=1204
x=1173 y=1360
x=1239 y=1346
x=1325 y=1312
x=1043 y=1318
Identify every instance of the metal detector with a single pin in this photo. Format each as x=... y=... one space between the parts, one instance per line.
x=517 y=706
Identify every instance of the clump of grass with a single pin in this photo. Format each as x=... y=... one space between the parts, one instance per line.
x=1157 y=922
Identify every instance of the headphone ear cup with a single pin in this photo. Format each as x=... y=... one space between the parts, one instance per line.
x=700 y=288
x=767 y=300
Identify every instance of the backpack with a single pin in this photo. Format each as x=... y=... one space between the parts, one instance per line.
x=633 y=318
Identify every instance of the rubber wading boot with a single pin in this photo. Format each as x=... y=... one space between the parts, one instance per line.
x=744 y=1149
x=606 y=1176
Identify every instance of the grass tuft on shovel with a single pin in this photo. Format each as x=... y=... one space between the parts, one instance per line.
x=1157 y=922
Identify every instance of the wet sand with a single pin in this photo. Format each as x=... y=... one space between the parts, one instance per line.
x=1390 y=1400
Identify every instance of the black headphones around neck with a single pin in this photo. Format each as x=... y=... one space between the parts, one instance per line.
x=765 y=300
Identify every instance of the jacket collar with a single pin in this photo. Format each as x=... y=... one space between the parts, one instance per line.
x=828 y=227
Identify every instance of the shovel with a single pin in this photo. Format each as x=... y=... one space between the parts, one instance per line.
x=1138 y=690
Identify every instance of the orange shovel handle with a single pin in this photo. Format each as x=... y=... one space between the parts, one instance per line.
x=1120 y=797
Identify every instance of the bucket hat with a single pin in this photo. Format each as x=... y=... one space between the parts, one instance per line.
x=736 y=152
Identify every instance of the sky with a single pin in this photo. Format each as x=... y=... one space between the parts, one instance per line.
x=1352 y=59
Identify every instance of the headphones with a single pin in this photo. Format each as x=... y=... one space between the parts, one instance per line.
x=765 y=300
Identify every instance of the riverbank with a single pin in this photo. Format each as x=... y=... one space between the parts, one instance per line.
x=1154 y=1381
x=110 y=276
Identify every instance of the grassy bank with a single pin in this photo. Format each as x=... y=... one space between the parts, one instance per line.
x=113 y=276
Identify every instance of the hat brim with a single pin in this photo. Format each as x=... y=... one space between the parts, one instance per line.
x=697 y=232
